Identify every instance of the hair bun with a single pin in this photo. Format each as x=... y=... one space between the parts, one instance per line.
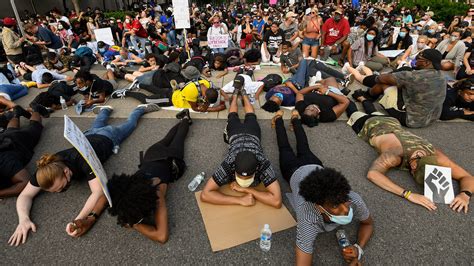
x=46 y=159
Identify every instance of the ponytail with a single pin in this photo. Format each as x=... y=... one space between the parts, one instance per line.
x=49 y=168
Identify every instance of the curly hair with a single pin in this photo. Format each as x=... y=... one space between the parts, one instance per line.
x=133 y=196
x=46 y=99
x=271 y=106
x=325 y=186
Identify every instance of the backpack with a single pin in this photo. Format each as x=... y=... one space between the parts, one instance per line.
x=270 y=81
x=7 y=73
x=84 y=51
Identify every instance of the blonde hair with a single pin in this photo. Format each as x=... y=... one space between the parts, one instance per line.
x=49 y=168
x=424 y=37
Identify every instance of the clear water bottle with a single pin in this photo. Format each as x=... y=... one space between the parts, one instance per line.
x=252 y=98
x=63 y=103
x=196 y=181
x=266 y=238
x=342 y=239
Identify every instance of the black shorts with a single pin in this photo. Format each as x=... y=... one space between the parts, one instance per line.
x=16 y=58
x=249 y=126
x=27 y=136
x=370 y=81
x=11 y=162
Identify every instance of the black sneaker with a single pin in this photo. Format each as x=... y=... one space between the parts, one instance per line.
x=19 y=111
x=43 y=111
x=345 y=91
x=184 y=114
x=358 y=93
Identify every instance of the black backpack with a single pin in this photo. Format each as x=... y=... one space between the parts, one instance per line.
x=270 y=81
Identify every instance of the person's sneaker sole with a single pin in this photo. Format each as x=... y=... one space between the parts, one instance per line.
x=151 y=107
x=96 y=110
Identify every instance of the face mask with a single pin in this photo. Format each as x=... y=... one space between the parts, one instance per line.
x=60 y=27
x=101 y=50
x=454 y=38
x=244 y=182
x=84 y=88
x=341 y=219
x=385 y=19
x=127 y=21
x=112 y=22
x=420 y=45
x=279 y=95
x=402 y=34
x=337 y=17
x=418 y=28
x=370 y=37
x=430 y=31
x=403 y=12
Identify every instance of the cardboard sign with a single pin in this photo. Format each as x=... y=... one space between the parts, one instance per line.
x=231 y=225
x=105 y=35
x=439 y=184
x=181 y=14
x=391 y=53
x=75 y=136
x=218 y=41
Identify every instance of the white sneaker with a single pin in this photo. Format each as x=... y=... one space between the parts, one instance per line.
x=318 y=76
x=150 y=107
x=345 y=68
x=133 y=85
x=312 y=81
x=96 y=110
x=360 y=66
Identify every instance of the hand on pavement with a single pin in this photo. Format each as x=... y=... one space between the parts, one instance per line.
x=21 y=233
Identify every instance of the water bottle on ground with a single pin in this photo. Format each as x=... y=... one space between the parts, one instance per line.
x=266 y=238
x=342 y=239
x=63 y=103
x=196 y=181
x=252 y=98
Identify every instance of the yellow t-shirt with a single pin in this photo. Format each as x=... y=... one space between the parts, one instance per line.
x=189 y=93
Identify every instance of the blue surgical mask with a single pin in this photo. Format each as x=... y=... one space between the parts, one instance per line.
x=101 y=50
x=431 y=31
x=402 y=34
x=279 y=95
x=341 y=219
x=370 y=37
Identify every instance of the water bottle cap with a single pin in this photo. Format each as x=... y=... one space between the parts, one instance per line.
x=266 y=226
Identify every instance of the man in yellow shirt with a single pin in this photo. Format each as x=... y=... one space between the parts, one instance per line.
x=197 y=94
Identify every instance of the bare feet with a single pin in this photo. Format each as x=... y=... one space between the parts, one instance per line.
x=279 y=114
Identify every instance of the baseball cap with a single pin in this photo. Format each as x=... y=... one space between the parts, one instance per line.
x=290 y=14
x=434 y=56
x=9 y=21
x=246 y=163
x=239 y=82
x=191 y=73
x=430 y=13
x=339 y=11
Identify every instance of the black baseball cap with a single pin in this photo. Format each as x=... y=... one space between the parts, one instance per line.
x=246 y=163
x=434 y=56
x=239 y=82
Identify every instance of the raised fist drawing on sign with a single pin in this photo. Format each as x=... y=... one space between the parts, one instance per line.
x=438 y=184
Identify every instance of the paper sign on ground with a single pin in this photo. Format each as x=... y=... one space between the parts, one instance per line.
x=75 y=136
x=105 y=35
x=218 y=41
x=231 y=225
x=181 y=14
x=391 y=53
x=439 y=184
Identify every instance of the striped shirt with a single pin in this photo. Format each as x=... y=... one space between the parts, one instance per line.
x=225 y=173
x=310 y=220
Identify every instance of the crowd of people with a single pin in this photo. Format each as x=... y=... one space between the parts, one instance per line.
x=416 y=71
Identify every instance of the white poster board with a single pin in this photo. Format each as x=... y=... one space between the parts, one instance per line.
x=218 y=41
x=105 y=35
x=439 y=184
x=181 y=14
x=75 y=136
x=391 y=53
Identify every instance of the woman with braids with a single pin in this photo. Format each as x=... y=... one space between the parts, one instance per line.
x=139 y=200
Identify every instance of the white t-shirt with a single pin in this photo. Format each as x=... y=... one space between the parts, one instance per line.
x=249 y=85
x=6 y=96
x=37 y=75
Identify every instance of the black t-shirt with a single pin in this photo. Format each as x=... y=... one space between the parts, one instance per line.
x=10 y=164
x=98 y=86
x=252 y=55
x=273 y=40
x=160 y=169
x=324 y=102
x=61 y=88
x=73 y=159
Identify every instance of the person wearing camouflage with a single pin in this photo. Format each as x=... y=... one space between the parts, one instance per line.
x=398 y=147
x=416 y=97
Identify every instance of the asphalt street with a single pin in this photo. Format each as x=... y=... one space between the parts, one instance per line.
x=405 y=234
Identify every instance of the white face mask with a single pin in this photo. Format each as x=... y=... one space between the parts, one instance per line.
x=420 y=45
x=244 y=182
x=454 y=38
x=127 y=21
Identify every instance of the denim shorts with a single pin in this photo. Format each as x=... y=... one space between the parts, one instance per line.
x=311 y=42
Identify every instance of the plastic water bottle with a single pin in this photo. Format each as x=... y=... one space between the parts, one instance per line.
x=342 y=238
x=196 y=181
x=63 y=103
x=266 y=238
x=252 y=98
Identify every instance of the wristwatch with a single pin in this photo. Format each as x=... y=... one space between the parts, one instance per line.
x=468 y=193
x=361 y=251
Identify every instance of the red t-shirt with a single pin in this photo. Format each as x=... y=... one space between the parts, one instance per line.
x=139 y=30
x=334 y=31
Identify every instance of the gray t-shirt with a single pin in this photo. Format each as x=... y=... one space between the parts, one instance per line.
x=288 y=31
x=310 y=220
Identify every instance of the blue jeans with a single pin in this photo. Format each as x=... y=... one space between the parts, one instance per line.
x=134 y=39
x=15 y=91
x=115 y=133
x=146 y=78
x=299 y=79
x=171 y=38
x=218 y=50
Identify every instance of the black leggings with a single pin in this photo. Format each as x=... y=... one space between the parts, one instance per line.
x=172 y=145
x=289 y=161
x=369 y=108
x=161 y=96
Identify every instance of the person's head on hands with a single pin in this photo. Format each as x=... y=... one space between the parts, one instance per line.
x=245 y=168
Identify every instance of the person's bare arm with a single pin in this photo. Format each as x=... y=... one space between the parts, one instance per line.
x=303 y=258
x=376 y=174
x=158 y=232
x=135 y=59
x=387 y=79
x=8 y=104
x=90 y=102
x=18 y=181
x=406 y=54
x=42 y=86
x=466 y=62
x=211 y=194
x=82 y=226
x=271 y=197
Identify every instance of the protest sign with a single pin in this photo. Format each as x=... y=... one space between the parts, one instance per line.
x=105 y=35
x=75 y=136
x=439 y=184
x=218 y=41
x=181 y=14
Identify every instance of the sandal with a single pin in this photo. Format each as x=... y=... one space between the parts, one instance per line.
x=279 y=114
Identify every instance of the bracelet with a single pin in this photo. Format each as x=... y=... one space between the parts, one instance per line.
x=407 y=194
x=327 y=92
x=360 y=251
x=468 y=193
x=403 y=193
x=93 y=214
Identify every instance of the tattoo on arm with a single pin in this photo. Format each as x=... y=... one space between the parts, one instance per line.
x=385 y=161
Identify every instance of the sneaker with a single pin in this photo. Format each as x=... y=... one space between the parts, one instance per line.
x=118 y=94
x=345 y=91
x=96 y=110
x=150 y=107
x=309 y=58
x=318 y=76
x=109 y=67
x=184 y=114
x=312 y=81
x=357 y=94
x=360 y=66
x=133 y=86
x=331 y=62
x=40 y=109
x=19 y=111
x=345 y=69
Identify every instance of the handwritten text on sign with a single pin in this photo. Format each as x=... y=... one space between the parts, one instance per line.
x=218 y=41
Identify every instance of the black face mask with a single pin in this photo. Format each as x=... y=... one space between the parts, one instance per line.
x=66 y=187
x=337 y=17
